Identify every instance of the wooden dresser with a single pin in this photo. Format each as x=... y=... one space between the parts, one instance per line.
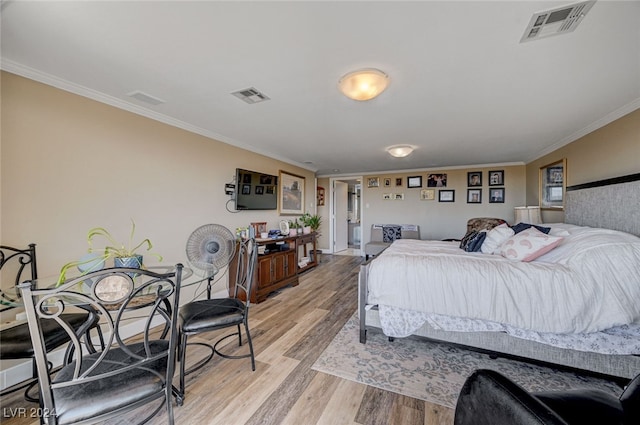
x=279 y=266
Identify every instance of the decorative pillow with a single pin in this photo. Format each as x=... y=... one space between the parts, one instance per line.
x=496 y=237
x=524 y=226
x=391 y=233
x=475 y=244
x=528 y=245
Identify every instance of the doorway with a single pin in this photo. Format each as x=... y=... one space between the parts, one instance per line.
x=346 y=215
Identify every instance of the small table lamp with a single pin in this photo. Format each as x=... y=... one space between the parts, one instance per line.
x=529 y=215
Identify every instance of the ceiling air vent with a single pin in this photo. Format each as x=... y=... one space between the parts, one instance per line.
x=250 y=95
x=146 y=98
x=556 y=21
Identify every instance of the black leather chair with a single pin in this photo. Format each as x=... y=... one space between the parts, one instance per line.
x=489 y=398
x=15 y=342
x=129 y=371
x=217 y=313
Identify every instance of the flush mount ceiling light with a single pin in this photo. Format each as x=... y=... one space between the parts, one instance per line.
x=364 y=84
x=400 y=151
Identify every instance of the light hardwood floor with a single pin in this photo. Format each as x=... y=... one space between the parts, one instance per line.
x=290 y=330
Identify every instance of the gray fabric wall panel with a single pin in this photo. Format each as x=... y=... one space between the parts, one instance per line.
x=615 y=206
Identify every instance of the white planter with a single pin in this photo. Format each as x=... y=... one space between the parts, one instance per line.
x=306 y=230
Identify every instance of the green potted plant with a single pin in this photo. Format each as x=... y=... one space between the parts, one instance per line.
x=313 y=222
x=294 y=225
x=123 y=255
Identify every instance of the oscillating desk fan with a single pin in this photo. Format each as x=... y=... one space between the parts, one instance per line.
x=210 y=248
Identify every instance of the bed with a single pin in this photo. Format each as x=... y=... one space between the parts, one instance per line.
x=576 y=304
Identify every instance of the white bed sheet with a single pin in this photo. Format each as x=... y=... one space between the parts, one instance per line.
x=589 y=283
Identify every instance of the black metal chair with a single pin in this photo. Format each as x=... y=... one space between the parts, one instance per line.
x=130 y=370
x=217 y=313
x=490 y=398
x=15 y=342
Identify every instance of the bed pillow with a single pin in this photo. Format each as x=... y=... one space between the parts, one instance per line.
x=528 y=245
x=391 y=233
x=495 y=238
x=524 y=226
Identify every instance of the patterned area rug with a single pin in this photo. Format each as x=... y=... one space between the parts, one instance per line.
x=432 y=371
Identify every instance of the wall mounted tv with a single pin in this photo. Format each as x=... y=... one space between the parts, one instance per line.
x=256 y=191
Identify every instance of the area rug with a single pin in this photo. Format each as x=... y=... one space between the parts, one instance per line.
x=433 y=371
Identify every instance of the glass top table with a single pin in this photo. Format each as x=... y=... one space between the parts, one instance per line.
x=10 y=297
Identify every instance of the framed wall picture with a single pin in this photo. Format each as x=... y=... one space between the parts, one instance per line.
x=320 y=196
x=446 y=195
x=373 y=182
x=496 y=178
x=437 y=180
x=387 y=196
x=414 y=181
x=291 y=194
x=427 y=194
x=399 y=196
x=553 y=185
x=387 y=182
x=474 y=196
x=496 y=195
x=474 y=178
x=398 y=181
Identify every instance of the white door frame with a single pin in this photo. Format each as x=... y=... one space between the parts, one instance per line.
x=331 y=209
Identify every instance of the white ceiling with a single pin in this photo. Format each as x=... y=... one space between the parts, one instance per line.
x=463 y=89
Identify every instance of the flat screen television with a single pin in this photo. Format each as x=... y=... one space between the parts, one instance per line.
x=256 y=191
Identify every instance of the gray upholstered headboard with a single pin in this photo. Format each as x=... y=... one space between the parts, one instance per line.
x=610 y=204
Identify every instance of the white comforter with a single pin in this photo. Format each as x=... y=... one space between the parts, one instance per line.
x=590 y=282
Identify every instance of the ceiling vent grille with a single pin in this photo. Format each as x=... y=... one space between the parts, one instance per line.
x=146 y=98
x=250 y=95
x=556 y=21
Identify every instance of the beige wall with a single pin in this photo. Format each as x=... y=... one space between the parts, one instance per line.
x=69 y=163
x=610 y=151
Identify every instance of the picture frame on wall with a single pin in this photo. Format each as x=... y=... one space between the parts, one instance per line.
x=553 y=185
x=496 y=178
x=291 y=194
x=387 y=182
x=474 y=196
x=414 y=181
x=398 y=181
x=446 y=195
x=373 y=182
x=437 y=180
x=320 y=196
x=496 y=195
x=474 y=178
x=427 y=194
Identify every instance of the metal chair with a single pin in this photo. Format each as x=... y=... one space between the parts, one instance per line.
x=15 y=342
x=217 y=313
x=129 y=371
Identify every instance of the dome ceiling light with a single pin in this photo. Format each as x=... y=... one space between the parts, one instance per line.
x=400 y=151
x=364 y=84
